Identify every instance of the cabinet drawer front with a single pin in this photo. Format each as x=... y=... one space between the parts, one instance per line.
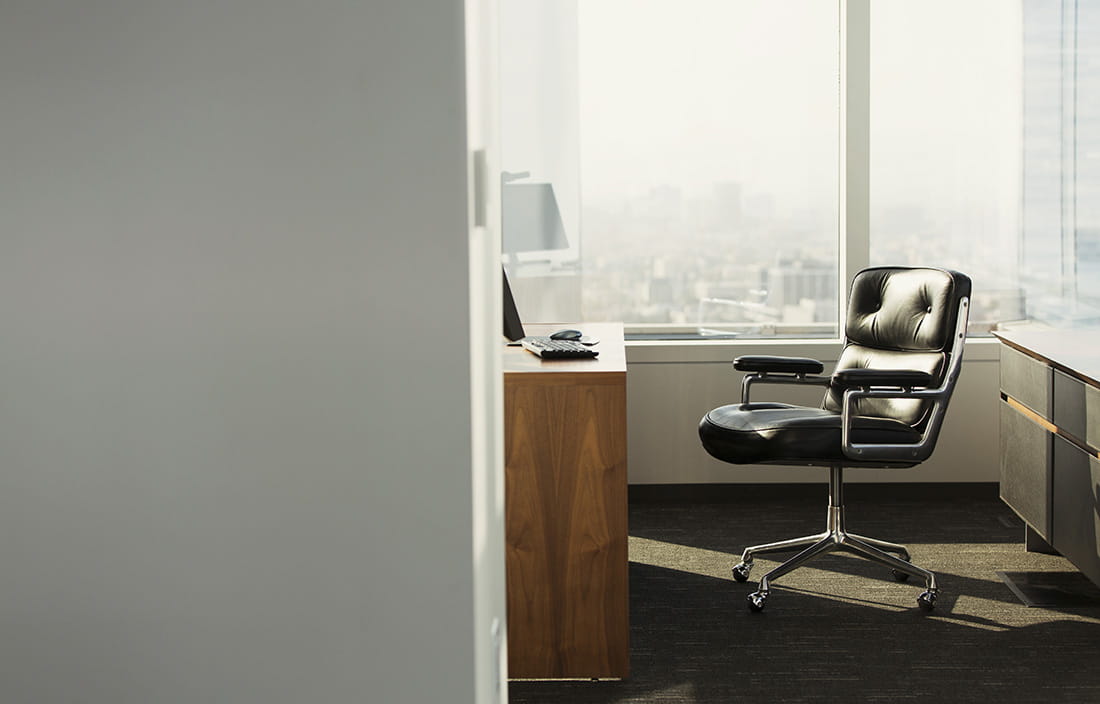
x=1027 y=380
x=1069 y=404
x=1025 y=469
x=1076 y=521
x=1092 y=416
x=1076 y=407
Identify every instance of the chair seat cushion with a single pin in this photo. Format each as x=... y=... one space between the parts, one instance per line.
x=764 y=433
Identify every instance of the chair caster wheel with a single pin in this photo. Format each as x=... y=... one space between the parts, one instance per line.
x=927 y=600
x=741 y=571
x=900 y=576
x=756 y=601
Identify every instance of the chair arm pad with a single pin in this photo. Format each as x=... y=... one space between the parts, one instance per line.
x=786 y=365
x=906 y=378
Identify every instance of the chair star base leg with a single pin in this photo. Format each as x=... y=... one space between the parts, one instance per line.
x=834 y=538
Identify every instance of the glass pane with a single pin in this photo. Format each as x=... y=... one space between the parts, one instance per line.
x=540 y=186
x=946 y=95
x=709 y=164
x=692 y=149
x=1041 y=234
x=1083 y=108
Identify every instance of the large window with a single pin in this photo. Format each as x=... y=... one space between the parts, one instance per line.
x=701 y=140
x=694 y=152
x=708 y=163
x=945 y=143
x=1059 y=248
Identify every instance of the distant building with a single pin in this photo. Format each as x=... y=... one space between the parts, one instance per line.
x=791 y=283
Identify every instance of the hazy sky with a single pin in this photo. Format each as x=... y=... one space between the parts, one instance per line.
x=608 y=99
x=691 y=92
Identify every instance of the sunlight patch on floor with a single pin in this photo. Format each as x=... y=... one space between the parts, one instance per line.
x=683 y=558
x=959 y=608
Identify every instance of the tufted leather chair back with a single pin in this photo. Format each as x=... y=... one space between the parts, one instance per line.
x=900 y=318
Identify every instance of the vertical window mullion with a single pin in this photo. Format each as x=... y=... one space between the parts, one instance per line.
x=1069 y=150
x=855 y=139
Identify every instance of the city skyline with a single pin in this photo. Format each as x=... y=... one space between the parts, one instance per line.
x=695 y=154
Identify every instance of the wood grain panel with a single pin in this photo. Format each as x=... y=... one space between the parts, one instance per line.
x=566 y=525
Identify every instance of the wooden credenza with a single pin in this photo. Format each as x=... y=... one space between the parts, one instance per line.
x=566 y=510
x=1050 y=440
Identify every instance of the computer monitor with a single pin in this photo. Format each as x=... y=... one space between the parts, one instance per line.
x=513 y=327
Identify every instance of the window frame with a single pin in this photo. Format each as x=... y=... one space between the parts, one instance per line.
x=854 y=180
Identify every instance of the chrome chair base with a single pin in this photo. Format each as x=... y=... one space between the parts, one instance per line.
x=834 y=538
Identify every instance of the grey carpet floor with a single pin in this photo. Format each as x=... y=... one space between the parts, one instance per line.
x=841 y=629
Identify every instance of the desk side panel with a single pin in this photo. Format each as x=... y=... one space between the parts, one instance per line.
x=566 y=525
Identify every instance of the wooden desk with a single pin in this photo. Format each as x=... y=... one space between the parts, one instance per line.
x=1050 y=440
x=565 y=510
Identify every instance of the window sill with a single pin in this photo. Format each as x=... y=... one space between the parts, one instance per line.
x=699 y=351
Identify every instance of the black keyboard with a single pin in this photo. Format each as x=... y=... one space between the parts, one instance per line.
x=558 y=349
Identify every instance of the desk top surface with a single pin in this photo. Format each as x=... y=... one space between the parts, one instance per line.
x=612 y=357
x=1075 y=351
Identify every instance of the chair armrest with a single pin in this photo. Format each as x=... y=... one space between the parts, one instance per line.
x=766 y=369
x=779 y=365
x=906 y=384
x=863 y=378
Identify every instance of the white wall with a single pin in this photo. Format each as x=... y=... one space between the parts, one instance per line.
x=230 y=470
x=490 y=642
x=671 y=387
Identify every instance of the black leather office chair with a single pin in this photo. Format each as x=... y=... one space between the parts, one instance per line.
x=884 y=405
